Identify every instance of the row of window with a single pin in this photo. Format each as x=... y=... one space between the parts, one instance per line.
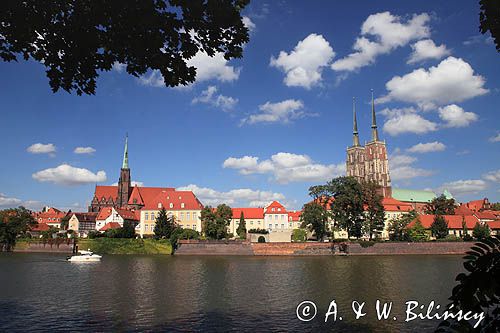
x=50 y=219
x=151 y=227
x=183 y=216
x=171 y=205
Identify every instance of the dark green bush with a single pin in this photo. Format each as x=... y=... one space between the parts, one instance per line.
x=258 y=231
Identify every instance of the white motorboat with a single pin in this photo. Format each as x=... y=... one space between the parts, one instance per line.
x=85 y=256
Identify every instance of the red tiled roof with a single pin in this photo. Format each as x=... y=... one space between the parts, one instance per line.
x=454 y=221
x=135 y=197
x=40 y=227
x=106 y=192
x=463 y=210
x=126 y=214
x=248 y=213
x=295 y=215
x=110 y=225
x=167 y=197
x=52 y=215
x=476 y=205
x=485 y=215
x=104 y=213
x=494 y=225
x=393 y=205
x=276 y=205
x=85 y=217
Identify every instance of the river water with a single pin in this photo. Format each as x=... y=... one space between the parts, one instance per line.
x=167 y=293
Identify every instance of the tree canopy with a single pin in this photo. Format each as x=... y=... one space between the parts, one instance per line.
x=13 y=222
x=347 y=206
x=439 y=227
x=242 y=229
x=165 y=224
x=489 y=19
x=374 y=219
x=315 y=217
x=77 y=39
x=215 y=222
x=440 y=206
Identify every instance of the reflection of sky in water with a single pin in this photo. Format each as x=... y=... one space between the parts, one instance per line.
x=41 y=291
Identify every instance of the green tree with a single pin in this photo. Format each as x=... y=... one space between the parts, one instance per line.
x=299 y=235
x=440 y=206
x=65 y=221
x=128 y=229
x=14 y=222
x=374 y=218
x=489 y=19
x=77 y=39
x=242 y=230
x=465 y=230
x=480 y=232
x=478 y=290
x=347 y=204
x=315 y=218
x=439 y=227
x=398 y=226
x=215 y=222
x=165 y=224
x=495 y=206
x=417 y=232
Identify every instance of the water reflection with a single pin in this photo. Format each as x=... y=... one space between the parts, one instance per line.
x=163 y=293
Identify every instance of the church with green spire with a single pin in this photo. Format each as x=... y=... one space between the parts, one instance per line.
x=369 y=163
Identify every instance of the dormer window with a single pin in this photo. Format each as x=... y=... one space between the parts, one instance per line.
x=180 y=197
x=171 y=205
x=135 y=200
x=182 y=205
x=272 y=209
x=279 y=209
x=159 y=205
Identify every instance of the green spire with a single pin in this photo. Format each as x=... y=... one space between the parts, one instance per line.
x=125 y=154
x=374 y=122
x=355 y=136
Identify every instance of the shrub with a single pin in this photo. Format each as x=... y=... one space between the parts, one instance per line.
x=366 y=243
x=450 y=238
x=261 y=239
x=467 y=238
x=417 y=232
x=258 y=231
x=480 y=232
x=299 y=235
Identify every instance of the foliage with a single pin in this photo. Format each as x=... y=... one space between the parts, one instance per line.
x=127 y=231
x=450 y=238
x=14 y=222
x=65 y=221
x=397 y=227
x=76 y=40
x=495 y=206
x=374 y=218
x=315 y=217
x=180 y=233
x=347 y=207
x=478 y=291
x=439 y=227
x=261 y=239
x=104 y=245
x=465 y=230
x=480 y=232
x=95 y=234
x=242 y=230
x=215 y=222
x=258 y=231
x=366 y=243
x=299 y=235
x=165 y=224
x=417 y=232
x=47 y=234
x=440 y=206
x=489 y=19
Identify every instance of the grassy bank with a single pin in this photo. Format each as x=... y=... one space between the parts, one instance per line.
x=125 y=246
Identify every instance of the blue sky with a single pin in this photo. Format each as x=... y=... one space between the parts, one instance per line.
x=272 y=124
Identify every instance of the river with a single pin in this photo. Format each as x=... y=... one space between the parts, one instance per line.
x=167 y=293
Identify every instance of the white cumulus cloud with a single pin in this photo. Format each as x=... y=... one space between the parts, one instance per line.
x=6 y=201
x=66 y=174
x=207 y=68
x=454 y=116
x=452 y=80
x=402 y=167
x=286 y=168
x=387 y=32
x=248 y=23
x=427 y=147
x=84 y=150
x=41 y=148
x=406 y=120
x=467 y=186
x=426 y=49
x=495 y=138
x=492 y=176
x=210 y=96
x=241 y=197
x=303 y=65
x=281 y=112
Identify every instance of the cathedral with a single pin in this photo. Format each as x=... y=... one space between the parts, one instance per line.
x=369 y=163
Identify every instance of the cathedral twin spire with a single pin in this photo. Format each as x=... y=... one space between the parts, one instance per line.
x=355 y=137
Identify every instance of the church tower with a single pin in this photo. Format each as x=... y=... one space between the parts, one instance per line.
x=369 y=163
x=124 y=185
x=355 y=164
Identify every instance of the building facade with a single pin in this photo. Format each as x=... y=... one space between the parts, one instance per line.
x=369 y=163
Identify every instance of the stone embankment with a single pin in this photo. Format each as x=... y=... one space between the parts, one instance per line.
x=58 y=247
x=193 y=247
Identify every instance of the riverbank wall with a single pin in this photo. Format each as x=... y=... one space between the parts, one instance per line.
x=193 y=247
x=47 y=247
